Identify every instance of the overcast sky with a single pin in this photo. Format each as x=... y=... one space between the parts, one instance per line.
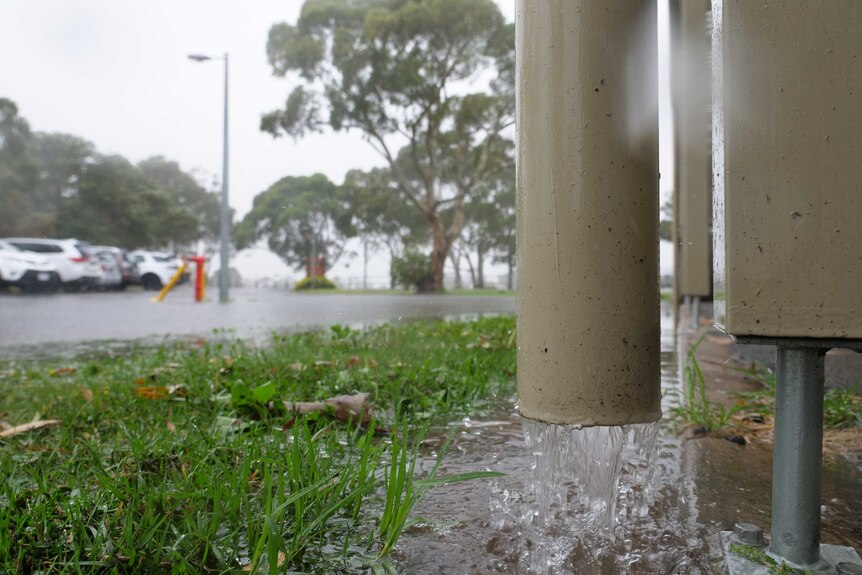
x=115 y=72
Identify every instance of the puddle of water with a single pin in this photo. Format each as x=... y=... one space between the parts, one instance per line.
x=550 y=513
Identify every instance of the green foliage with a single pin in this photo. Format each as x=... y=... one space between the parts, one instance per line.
x=58 y=185
x=314 y=283
x=300 y=218
x=387 y=68
x=378 y=213
x=412 y=270
x=695 y=406
x=156 y=469
x=842 y=408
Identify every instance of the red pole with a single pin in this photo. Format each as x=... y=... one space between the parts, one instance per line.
x=200 y=277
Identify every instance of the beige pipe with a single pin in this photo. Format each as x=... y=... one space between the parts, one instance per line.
x=693 y=161
x=588 y=306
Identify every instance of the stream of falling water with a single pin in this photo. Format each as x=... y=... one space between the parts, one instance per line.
x=579 y=489
x=597 y=501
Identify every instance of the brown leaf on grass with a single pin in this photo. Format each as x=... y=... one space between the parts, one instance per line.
x=61 y=371
x=171 y=427
x=353 y=361
x=161 y=391
x=24 y=428
x=153 y=392
x=87 y=394
x=260 y=568
x=344 y=407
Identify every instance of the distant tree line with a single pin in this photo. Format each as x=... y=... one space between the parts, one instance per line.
x=59 y=185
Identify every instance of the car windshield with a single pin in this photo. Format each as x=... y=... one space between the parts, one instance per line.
x=163 y=258
x=6 y=246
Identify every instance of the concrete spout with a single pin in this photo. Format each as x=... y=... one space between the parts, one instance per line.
x=588 y=305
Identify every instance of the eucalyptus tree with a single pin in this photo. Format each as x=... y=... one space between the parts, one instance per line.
x=428 y=83
x=301 y=218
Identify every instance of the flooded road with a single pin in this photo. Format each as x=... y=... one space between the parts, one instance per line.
x=666 y=517
x=73 y=323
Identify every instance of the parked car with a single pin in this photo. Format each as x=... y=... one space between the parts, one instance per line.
x=77 y=270
x=127 y=268
x=28 y=272
x=156 y=268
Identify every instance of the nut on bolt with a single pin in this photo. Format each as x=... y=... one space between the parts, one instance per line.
x=748 y=534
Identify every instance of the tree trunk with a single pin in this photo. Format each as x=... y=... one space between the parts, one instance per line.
x=472 y=270
x=455 y=258
x=440 y=245
x=480 y=269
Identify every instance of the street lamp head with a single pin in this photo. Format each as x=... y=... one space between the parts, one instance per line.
x=199 y=57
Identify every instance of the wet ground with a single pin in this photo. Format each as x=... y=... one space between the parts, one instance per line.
x=701 y=487
x=39 y=325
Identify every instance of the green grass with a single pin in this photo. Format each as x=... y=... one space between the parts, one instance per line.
x=183 y=459
x=842 y=408
x=694 y=406
x=458 y=292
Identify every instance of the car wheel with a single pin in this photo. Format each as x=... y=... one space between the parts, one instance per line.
x=151 y=282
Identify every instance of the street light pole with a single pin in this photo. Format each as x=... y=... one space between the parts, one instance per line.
x=224 y=214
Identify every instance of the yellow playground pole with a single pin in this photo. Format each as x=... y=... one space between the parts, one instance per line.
x=170 y=285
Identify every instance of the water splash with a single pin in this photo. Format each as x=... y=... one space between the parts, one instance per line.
x=587 y=488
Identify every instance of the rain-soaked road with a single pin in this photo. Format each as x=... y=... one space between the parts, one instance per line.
x=48 y=324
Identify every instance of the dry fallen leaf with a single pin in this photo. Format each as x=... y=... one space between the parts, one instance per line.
x=152 y=392
x=24 y=428
x=61 y=371
x=87 y=394
x=281 y=559
x=345 y=407
x=171 y=427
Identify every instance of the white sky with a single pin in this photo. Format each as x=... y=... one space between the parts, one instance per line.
x=115 y=72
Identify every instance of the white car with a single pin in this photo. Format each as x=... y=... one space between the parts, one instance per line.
x=156 y=268
x=28 y=272
x=77 y=270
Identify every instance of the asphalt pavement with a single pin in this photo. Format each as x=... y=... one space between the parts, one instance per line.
x=45 y=325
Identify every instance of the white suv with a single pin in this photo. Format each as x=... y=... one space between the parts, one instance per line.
x=28 y=272
x=78 y=271
x=156 y=268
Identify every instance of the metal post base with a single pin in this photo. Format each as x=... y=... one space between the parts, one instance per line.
x=833 y=557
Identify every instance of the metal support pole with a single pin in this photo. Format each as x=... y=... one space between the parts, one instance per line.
x=797 y=456
x=224 y=219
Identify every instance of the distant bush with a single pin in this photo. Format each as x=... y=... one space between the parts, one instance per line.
x=412 y=270
x=318 y=282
